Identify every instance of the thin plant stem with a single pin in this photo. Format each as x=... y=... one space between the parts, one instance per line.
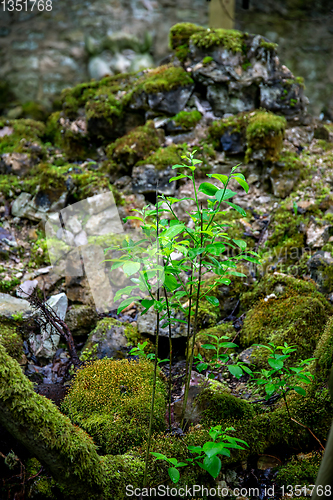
x=170 y=351
x=155 y=367
x=188 y=338
x=188 y=378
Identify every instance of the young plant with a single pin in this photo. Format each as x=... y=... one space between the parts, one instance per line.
x=281 y=379
x=140 y=351
x=201 y=245
x=219 y=358
x=207 y=458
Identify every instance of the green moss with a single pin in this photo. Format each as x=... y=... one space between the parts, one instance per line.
x=111 y=400
x=324 y=353
x=11 y=340
x=265 y=131
x=164 y=79
x=215 y=404
x=53 y=129
x=207 y=60
x=39 y=255
x=124 y=470
x=34 y=111
x=233 y=124
x=268 y=45
x=18 y=130
x=296 y=315
x=187 y=119
x=181 y=33
x=164 y=157
x=8 y=286
x=136 y=145
x=40 y=486
x=230 y=39
x=300 y=470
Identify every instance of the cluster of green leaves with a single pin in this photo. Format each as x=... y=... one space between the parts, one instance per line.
x=219 y=358
x=281 y=379
x=139 y=350
x=207 y=455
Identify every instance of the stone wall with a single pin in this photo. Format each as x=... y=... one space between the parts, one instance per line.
x=43 y=52
x=303 y=29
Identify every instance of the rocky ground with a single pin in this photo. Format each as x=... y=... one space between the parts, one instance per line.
x=227 y=95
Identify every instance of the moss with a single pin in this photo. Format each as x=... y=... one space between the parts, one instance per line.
x=300 y=470
x=124 y=470
x=164 y=79
x=181 y=33
x=268 y=45
x=111 y=400
x=53 y=129
x=182 y=52
x=39 y=256
x=265 y=131
x=30 y=130
x=11 y=340
x=230 y=39
x=207 y=60
x=164 y=157
x=40 y=486
x=8 y=286
x=134 y=338
x=136 y=145
x=232 y=124
x=296 y=315
x=34 y=111
x=214 y=405
x=324 y=353
x=187 y=119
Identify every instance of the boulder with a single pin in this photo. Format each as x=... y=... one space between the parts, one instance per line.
x=320 y=268
x=80 y=319
x=13 y=308
x=107 y=340
x=147 y=178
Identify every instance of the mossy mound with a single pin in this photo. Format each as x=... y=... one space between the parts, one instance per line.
x=300 y=470
x=19 y=132
x=136 y=145
x=11 y=340
x=265 y=131
x=257 y=130
x=111 y=400
x=285 y=310
x=187 y=119
x=164 y=157
x=324 y=353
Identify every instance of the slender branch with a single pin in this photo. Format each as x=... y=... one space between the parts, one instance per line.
x=170 y=351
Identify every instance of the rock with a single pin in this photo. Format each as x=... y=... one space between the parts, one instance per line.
x=80 y=239
x=98 y=68
x=13 y=308
x=223 y=101
x=317 y=235
x=171 y=102
x=7 y=237
x=120 y=63
x=110 y=339
x=283 y=181
x=15 y=163
x=26 y=288
x=232 y=142
x=140 y=62
x=145 y=178
x=147 y=325
x=38 y=207
x=45 y=344
x=73 y=225
x=320 y=268
x=106 y=222
x=81 y=319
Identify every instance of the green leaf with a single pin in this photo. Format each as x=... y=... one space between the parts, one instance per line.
x=229 y=345
x=236 y=273
x=212 y=300
x=270 y=389
x=173 y=231
x=300 y=391
x=147 y=303
x=250 y=259
x=170 y=282
x=235 y=370
x=179 y=177
x=237 y=208
x=131 y=267
x=196 y=162
x=159 y=456
x=227 y=194
x=241 y=181
x=295 y=207
x=277 y=364
x=126 y=303
x=240 y=243
x=179 y=166
x=215 y=248
x=219 y=177
x=193 y=252
x=212 y=465
x=209 y=346
x=208 y=189
x=124 y=291
x=174 y=474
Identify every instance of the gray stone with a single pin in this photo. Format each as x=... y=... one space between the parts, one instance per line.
x=141 y=61
x=320 y=268
x=11 y=307
x=80 y=239
x=98 y=68
x=318 y=235
x=147 y=325
x=109 y=338
x=37 y=208
x=15 y=163
x=73 y=225
x=146 y=177
x=26 y=288
x=45 y=344
x=171 y=102
x=81 y=319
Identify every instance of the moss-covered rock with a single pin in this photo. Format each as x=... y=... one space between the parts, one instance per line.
x=187 y=119
x=136 y=145
x=11 y=340
x=288 y=310
x=324 y=353
x=14 y=131
x=265 y=131
x=163 y=158
x=111 y=400
x=300 y=470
